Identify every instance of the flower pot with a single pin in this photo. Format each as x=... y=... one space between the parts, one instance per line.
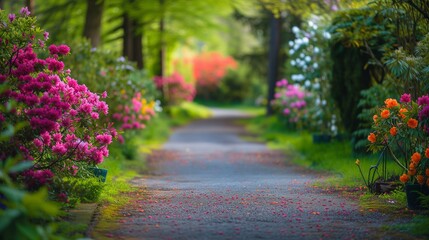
x=101 y=173
x=413 y=193
x=321 y=138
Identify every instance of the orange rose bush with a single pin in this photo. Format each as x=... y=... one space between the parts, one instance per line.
x=402 y=130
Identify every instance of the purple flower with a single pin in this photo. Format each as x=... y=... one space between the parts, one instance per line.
x=104 y=139
x=11 y=17
x=46 y=35
x=59 y=148
x=286 y=111
x=424 y=113
x=405 y=98
x=24 y=11
x=63 y=49
x=423 y=100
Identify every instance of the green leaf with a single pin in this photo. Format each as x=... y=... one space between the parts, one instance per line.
x=38 y=205
x=7 y=216
x=24 y=165
x=12 y=194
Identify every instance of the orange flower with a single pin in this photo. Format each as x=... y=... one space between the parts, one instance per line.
x=393 y=131
x=427 y=153
x=420 y=179
x=412 y=123
x=402 y=111
x=427 y=172
x=385 y=113
x=412 y=166
x=412 y=172
x=372 y=138
x=375 y=117
x=416 y=157
x=404 y=178
x=390 y=103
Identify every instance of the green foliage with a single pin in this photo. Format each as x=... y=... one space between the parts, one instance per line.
x=23 y=214
x=335 y=157
x=348 y=80
x=78 y=189
x=186 y=112
x=369 y=102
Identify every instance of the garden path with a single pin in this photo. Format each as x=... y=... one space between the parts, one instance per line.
x=209 y=183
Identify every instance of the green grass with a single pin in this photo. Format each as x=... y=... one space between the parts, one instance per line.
x=335 y=157
x=186 y=112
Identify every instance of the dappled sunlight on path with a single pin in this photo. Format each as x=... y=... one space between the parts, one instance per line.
x=207 y=183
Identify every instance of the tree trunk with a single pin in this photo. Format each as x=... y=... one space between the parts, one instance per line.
x=92 y=28
x=137 y=46
x=161 y=67
x=127 y=43
x=273 y=61
x=30 y=5
x=132 y=41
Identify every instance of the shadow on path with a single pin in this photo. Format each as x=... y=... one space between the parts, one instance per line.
x=208 y=183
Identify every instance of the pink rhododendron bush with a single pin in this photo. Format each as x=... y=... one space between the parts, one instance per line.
x=175 y=88
x=132 y=94
x=291 y=101
x=60 y=127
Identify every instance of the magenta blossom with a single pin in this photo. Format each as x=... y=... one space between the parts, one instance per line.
x=11 y=17
x=24 y=11
x=405 y=98
x=423 y=100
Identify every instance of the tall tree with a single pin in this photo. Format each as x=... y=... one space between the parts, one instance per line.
x=273 y=59
x=132 y=44
x=92 y=27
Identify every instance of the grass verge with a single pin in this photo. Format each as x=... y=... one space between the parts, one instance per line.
x=337 y=159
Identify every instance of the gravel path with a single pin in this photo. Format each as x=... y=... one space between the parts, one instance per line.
x=208 y=183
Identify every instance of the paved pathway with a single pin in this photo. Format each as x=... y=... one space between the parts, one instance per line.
x=208 y=183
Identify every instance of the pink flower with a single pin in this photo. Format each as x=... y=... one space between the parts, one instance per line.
x=24 y=11
x=11 y=17
x=46 y=138
x=423 y=100
x=104 y=139
x=46 y=35
x=63 y=49
x=38 y=144
x=59 y=148
x=94 y=115
x=286 y=111
x=104 y=94
x=405 y=98
x=53 y=49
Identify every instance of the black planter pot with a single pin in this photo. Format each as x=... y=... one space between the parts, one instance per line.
x=100 y=173
x=414 y=192
x=321 y=138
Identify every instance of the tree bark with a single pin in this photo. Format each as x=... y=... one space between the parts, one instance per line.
x=273 y=61
x=30 y=5
x=132 y=41
x=137 y=46
x=92 y=28
x=161 y=67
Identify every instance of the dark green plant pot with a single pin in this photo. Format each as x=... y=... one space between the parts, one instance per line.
x=413 y=193
x=100 y=173
x=321 y=138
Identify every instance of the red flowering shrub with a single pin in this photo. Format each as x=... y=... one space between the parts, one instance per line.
x=210 y=68
x=59 y=122
x=175 y=88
